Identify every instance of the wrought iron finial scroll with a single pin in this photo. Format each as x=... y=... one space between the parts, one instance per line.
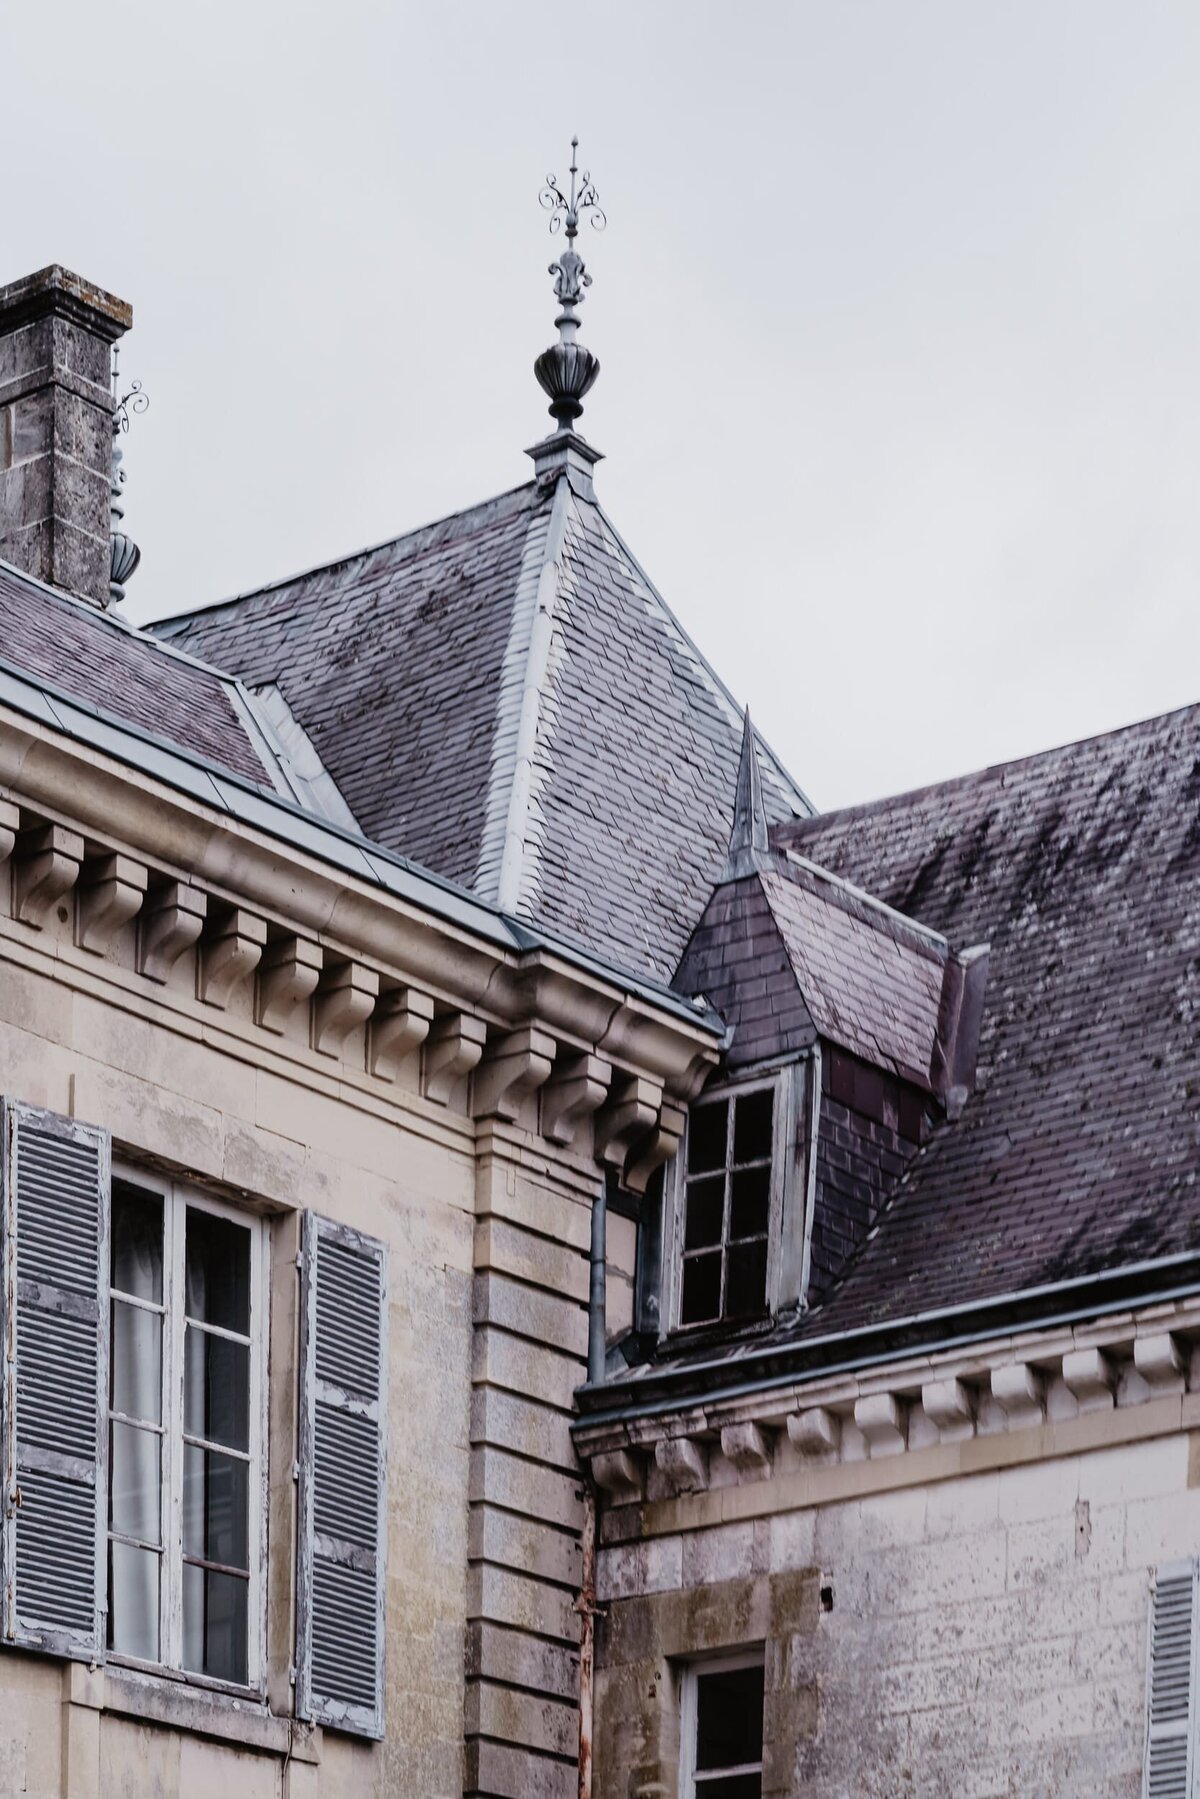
x=566 y=210
x=568 y=369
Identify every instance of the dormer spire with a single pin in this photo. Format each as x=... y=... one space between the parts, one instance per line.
x=568 y=369
x=749 y=845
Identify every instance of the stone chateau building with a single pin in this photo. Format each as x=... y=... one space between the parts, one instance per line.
x=533 y=1263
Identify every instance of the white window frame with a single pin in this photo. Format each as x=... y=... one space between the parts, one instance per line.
x=692 y=1786
x=177 y=1198
x=787 y=1191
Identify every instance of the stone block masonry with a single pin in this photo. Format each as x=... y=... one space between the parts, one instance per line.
x=56 y=406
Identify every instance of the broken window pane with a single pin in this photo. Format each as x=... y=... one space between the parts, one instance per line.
x=746 y=1279
x=701 y=1289
x=705 y=1213
x=708 y=1131
x=729 y=1718
x=752 y=1122
x=749 y=1201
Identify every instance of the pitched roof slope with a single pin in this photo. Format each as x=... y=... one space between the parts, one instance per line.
x=504 y=697
x=107 y=666
x=1079 y=1151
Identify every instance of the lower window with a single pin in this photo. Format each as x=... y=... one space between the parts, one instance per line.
x=186 y=1417
x=721 y=1729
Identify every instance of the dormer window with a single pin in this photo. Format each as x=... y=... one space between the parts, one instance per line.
x=729 y=1205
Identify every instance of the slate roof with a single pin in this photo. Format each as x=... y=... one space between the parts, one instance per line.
x=412 y=667
x=1079 y=1151
x=790 y=953
x=98 y=660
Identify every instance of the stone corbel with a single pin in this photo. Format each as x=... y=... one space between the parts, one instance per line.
x=287 y=976
x=683 y=1463
x=513 y=1068
x=452 y=1049
x=657 y=1147
x=1019 y=1391
x=10 y=824
x=880 y=1418
x=399 y=1025
x=230 y=955
x=748 y=1447
x=1160 y=1363
x=630 y=1112
x=949 y=1405
x=576 y=1088
x=47 y=863
x=112 y=889
x=1091 y=1377
x=345 y=999
x=619 y=1474
x=171 y=921
x=816 y=1431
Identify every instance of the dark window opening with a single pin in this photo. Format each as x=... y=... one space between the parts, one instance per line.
x=727 y=1208
x=728 y=1744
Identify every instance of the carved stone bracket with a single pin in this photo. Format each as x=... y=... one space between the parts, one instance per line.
x=577 y=1086
x=112 y=890
x=618 y=1474
x=656 y=1148
x=171 y=921
x=748 y=1447
x=452 y=1049
x=345 y=999
x=1160 y=1363
x=230 y=955
x=399 y=1025
x=1019 y=1391
x=880 y=1418
x=630 y=1112
x=514 y=1066
x=47 y=863
x=683 y=1463
x=816 y=1431
x=10 y=824
x=287 y=975
x=1090 y=1375
x=949 y=1405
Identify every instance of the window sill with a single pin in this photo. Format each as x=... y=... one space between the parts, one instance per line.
x=241 y=1719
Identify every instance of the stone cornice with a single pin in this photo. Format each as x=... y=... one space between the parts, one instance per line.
x=462 y=960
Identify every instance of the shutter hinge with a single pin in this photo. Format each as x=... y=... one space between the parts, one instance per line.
x=300 y=1260
x=295 y=1471
x=292 y=1674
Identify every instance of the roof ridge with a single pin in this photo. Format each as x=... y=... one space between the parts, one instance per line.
x=782 y=775
x=168 y=620
x=990 y=770
x=866 y=907
x=507 y=852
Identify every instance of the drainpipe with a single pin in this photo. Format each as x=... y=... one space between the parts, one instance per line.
x=597 y=1297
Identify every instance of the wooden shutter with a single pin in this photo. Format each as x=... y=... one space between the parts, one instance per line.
x=1171 y=1684
x=54 y=1235
x=343 y=1455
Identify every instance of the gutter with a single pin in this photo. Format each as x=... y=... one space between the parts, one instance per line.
x=848 y=1352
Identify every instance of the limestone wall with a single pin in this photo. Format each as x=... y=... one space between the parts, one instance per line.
x=979 y=1635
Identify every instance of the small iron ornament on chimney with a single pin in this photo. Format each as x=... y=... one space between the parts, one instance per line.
x=124 y=554
x=568 y=369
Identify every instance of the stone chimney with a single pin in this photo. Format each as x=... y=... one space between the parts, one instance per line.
x=56 y=428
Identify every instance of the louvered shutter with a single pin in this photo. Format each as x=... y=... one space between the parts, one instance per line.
x=54 y=1237
x=343 y=1455
x=1171 y=1684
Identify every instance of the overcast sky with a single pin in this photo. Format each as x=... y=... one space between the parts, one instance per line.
x=898 y=310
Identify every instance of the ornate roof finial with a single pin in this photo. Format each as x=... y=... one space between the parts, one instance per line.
x=124 y=554
x=749 y=843
x=568 y=370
